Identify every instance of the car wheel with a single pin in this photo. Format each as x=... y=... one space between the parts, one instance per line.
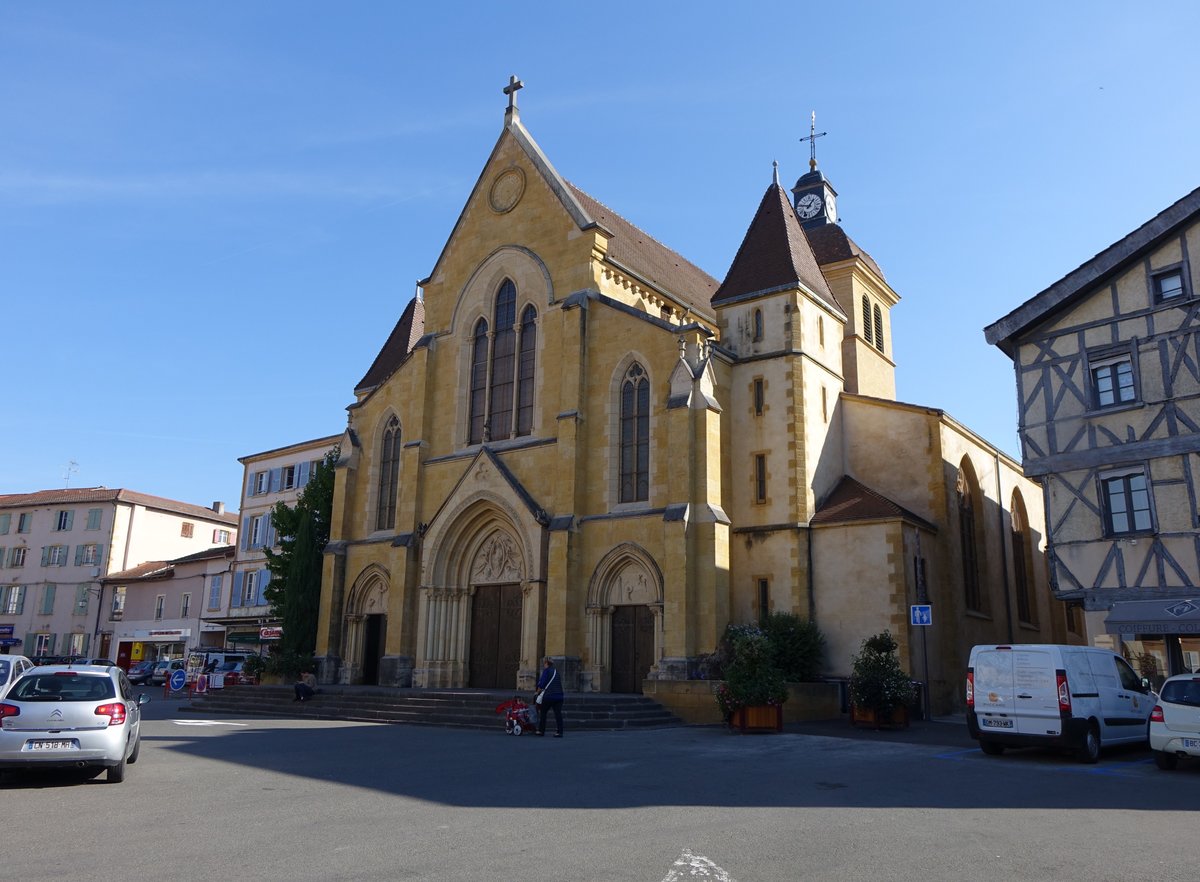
x=137 y=748
x=991 y=748
x=1165 y=761
x=116 y=774
x=1089 y=751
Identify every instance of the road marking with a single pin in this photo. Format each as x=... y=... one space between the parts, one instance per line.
x=206 y=723
x=695 y=866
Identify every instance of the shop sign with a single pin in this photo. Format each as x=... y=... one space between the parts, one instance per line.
x=273 y=633
x=6 y=630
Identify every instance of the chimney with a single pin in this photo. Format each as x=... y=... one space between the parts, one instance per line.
x=218 y=507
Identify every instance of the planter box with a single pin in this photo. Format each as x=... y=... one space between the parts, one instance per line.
x=758 y=718
x=897 y=718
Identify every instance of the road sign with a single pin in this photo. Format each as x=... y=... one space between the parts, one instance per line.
x=920 y=614
x=178 y=679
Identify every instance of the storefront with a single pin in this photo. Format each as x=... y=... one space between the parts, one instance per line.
x=1160 y=638
x=152 y=644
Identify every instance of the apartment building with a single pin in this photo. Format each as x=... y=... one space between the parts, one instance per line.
x=56 y=547
x=270 y=477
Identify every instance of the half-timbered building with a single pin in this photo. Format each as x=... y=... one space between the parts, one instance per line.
x=1107 y=363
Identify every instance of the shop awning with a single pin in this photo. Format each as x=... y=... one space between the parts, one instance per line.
x=1128 y=617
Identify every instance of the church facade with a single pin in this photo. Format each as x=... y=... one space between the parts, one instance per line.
x=576 y=443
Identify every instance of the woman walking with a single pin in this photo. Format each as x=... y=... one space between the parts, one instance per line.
x=549 y=697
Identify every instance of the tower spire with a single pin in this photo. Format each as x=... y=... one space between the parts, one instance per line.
x=775 y=172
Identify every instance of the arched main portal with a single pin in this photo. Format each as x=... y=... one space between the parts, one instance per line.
x=624 y=616
x=478 y=612
x=366 y=626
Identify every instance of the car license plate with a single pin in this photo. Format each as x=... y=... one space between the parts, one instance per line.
x=1190 y=743
x=994 y=723
x=51 y=745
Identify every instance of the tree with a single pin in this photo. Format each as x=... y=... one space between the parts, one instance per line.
x=294 y=591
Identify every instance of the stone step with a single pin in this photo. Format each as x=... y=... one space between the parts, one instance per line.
x=474 y=709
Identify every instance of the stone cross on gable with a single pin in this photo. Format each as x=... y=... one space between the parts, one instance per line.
x=511 y=91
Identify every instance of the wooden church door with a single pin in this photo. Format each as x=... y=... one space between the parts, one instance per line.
x=495 y=637
x=632 y=647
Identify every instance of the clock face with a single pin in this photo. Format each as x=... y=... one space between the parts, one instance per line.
x=808 y=206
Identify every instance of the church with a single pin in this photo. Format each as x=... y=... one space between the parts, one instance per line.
x=576 y=443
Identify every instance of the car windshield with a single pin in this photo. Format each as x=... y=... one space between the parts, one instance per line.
x=62 y=687
x=1182 y=692
x=229 y=666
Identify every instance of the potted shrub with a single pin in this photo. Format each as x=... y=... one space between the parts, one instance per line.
x=880 y=691
x=753 y=692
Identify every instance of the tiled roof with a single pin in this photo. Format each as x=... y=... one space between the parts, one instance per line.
x=830 y=244
x=774 y=255
x=208 y=553
x=151 y=569
x=103 y=494
x=400 y=342
x=852 y=501
x=649 y=258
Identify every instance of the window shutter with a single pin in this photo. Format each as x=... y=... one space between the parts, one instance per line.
x=2 y=553
x=86 y=637
x=247 y=539
x=236 y=598
x=276 y=479
x=70 y=519
x=100 y=557
x=30 y=643
x=53 y=640
x=45 y=554
x=78 y=555
x=302 y=473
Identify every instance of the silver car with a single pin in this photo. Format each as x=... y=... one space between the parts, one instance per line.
x=11 y=669
x=64 y=716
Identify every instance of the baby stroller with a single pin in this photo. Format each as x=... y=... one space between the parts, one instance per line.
x=518 y=716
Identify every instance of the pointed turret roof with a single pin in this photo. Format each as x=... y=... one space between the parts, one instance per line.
x=400 y=342
x=774 y=255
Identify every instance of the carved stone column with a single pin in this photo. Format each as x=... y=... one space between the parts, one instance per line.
x=531 y=664
x=596 y=675
x=353 y=662
x=442 y=638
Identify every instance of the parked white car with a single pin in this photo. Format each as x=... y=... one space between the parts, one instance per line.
x=11 y=668
x=1078 y=697
x=1175 y=721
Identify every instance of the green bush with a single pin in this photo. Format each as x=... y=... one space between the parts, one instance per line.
x=751 y=675
x=254 y=666
x=288 y=665
x=797 y=646
x=877 y=682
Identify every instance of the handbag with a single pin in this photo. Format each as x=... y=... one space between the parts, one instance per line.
x=542 y=694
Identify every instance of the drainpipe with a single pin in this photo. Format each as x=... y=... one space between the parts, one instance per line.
x=1003 y=554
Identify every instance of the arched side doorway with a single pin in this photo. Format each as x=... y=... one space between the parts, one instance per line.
x=624 y=621
x=366 y=626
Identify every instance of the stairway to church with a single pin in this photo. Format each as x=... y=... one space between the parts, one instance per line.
x=461 y=708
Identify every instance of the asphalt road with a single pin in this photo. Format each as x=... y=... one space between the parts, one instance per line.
x=223 y=798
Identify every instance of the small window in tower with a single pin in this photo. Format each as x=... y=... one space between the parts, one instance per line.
x=878 y=328
x=824 y=405
x=760 y=478
x=821 y=330
x=764 y=599
x=759 y=396
x=866 y=318
x=758 y=325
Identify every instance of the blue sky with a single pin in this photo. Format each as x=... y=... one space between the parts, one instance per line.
x=211 y=215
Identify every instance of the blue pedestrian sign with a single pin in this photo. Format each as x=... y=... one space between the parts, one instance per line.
x=178 y=679
x=921 y=614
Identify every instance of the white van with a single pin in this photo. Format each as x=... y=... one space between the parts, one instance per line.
x=1079 y=697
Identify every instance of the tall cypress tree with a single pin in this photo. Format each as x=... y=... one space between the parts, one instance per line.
x=294 y=591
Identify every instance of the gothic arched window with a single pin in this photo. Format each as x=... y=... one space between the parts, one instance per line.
x=389 y=475
x=878 y=328
x=501 y=376
x=479 y=358
x=635 y=435
x=525 y=360
x=866 y=320
x=967 y=492
x=1022 y=561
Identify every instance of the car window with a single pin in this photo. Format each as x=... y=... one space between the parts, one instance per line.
x=62 y=687
x=1182 y=692
x=1129 y=680
x=4 y=667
